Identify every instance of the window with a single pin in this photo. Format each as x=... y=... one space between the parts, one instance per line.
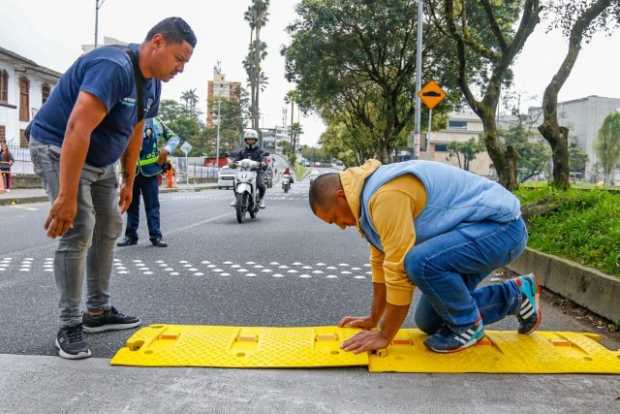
x=457 y=124
x=24 y=99
x=441 y=147
x=4 y=86
x=45 y=92
x=2 y=134
x=23 y=142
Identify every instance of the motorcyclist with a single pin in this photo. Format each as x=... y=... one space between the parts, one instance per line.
x=287 y=171
x=253 y=152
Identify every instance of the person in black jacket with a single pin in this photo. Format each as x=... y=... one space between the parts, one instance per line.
x=253 y=152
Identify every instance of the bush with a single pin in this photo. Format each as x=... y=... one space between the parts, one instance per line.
x=583 y=226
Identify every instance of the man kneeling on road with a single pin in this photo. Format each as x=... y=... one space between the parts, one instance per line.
x=94 y=116
x=441 y=229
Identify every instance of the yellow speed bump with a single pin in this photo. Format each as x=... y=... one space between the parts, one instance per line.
x=313 y=347
x=502 y=352
x=238 y=347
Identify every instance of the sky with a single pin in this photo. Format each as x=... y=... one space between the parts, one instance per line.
x=52 y=32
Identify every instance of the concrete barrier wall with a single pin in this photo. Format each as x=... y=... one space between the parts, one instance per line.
x=585 y=286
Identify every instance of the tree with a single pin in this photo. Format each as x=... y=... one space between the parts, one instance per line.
x=532 y=155
x=579 y=20
x=190 y=101
x=355 y=60
x=465 y=152
x=257 y=16
x=608 y=146
x=185 y=125
x=577 y=159
x=486 y=39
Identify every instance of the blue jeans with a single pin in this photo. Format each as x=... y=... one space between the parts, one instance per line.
x=149 y=187
x=448 y=268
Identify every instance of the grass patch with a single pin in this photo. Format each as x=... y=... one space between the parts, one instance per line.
x=583 y=226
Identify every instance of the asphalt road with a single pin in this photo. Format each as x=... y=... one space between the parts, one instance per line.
x=284 y=269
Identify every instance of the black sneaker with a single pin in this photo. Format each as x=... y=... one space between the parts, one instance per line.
x=109 y=320
x=71 y=344
x=127 y=242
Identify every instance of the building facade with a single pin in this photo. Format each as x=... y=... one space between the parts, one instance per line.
x=583 y=117
x=24 y=87
x=219 y=87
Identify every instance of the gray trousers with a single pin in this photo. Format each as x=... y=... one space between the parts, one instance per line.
x=89 y=246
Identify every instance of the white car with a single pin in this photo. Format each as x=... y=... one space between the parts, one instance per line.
x=226 y=178
x=313 y=175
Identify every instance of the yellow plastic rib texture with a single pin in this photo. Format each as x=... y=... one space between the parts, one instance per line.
x=311 y=347
x=502 y=352
x=238 y=347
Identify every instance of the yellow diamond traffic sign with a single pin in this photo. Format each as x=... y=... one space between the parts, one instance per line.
x=432 y=94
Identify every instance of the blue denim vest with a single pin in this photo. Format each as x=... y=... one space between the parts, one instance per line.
x=454 y=198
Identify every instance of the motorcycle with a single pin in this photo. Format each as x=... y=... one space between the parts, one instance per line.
x=246 y=192
x=287 y=180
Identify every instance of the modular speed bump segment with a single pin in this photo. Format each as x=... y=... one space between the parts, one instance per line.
x=502 y=352
x=238 y=347
x=314 y=347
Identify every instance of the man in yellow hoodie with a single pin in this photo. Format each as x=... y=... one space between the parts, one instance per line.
x=439 y=228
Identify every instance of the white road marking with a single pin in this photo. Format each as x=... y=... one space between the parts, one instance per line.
x=174 y=273
x=297 y=264
x=218 y=270
x=250 y=263
x=305 y=276
x=183 y=261
x=156 y=261
x=227 y=262
x=320 y=264
x=258 y=266
x=317 y=272
x=274 y=263
x=205 y=262
x=356 y=269
x=332 y=277
x=345 y=272
x=283 y=267
x=224 y=274
x=235 y=266
x=343 y=264
x=147 y=273
x=250 y=275
x=242 y=270
x=292 y=271
x=267 y=271
x=199 y=274
x=192 y=269
x=359 y=277
x=307 y=267
x=277 y=275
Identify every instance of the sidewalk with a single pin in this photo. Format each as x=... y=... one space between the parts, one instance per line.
x=38 y=195
x=42 y=384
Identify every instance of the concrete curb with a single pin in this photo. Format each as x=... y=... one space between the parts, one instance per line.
x=22 y=200
x=585 y=286
x=41 y=199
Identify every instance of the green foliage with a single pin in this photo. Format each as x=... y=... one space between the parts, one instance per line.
x=186 y=125
x=577 y=159
x=584 y=227
x=465 y=152
x=608 y=146
x=354 y=62
x=534 y=156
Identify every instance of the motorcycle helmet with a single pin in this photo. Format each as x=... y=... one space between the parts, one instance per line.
x=250 y=137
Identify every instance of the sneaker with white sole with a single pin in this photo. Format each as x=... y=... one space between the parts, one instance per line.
x=528 y=314
x=448 y=340
x=70 y=343
x=109 y=320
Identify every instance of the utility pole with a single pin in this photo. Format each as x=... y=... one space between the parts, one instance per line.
x=98 y=5
x=415 y=139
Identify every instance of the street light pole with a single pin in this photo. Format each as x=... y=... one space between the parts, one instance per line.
x=217 y=142
x=98 y=4
x=415 y=142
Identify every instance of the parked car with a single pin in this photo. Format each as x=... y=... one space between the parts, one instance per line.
x=226 y=178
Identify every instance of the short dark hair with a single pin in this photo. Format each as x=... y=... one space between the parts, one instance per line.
x=174 y=29
x=321 y=188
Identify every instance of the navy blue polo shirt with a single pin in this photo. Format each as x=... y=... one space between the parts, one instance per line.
x=108 y=74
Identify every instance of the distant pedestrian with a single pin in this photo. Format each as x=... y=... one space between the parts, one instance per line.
x=6 y=162
x=170 y=173
x=94 y=118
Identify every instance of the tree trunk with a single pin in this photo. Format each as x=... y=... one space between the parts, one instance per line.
x=557 y=137
x=505 y=161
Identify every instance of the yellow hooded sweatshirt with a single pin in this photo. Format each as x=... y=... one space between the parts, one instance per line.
x=393 y=209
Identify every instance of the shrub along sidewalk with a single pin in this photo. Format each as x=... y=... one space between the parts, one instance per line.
x=583 y=226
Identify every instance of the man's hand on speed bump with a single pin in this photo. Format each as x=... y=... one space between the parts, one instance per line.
x=365 y=341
